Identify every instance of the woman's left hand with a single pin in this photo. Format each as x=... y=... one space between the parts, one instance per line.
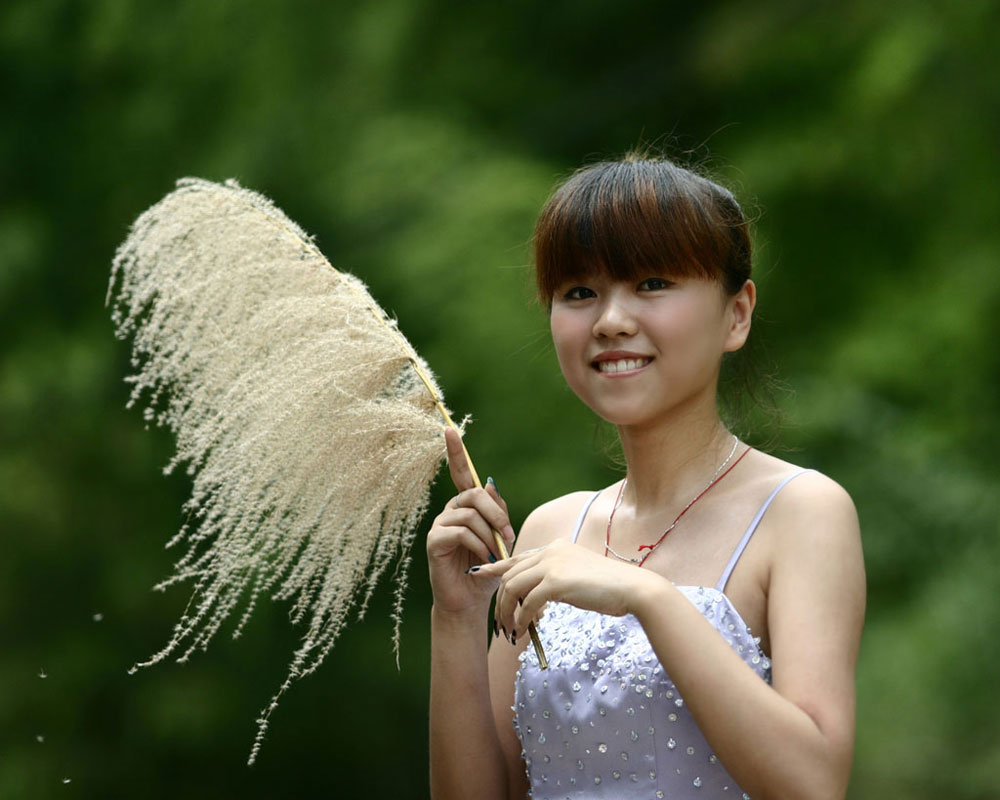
x=563 y=572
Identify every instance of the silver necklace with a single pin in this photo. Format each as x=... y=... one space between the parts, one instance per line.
x=621 y=493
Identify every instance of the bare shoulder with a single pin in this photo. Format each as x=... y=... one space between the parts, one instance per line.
x=809 y=496
x=813 y=522
x=814 y=500
x=552 y=520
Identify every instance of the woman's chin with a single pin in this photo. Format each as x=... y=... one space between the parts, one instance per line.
x=624 y=417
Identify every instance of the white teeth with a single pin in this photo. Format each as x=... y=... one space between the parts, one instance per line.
x=622 y=364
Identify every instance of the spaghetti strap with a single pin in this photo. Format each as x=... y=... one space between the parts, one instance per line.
x=583 y=514
x=721 y=585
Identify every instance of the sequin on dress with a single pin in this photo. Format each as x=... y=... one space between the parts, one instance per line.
x=605 y=720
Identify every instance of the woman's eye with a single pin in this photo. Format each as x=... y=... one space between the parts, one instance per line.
x=578 y=293
x=654 y=284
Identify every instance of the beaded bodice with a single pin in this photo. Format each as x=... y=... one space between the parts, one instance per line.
x=605 y=720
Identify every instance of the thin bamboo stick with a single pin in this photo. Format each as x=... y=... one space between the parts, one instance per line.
x=501 y=547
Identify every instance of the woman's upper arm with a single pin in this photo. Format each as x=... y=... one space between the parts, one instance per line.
x=503 y=665
x=816 y=605
x=543 y=525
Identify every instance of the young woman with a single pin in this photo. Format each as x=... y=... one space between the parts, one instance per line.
x=702 y=617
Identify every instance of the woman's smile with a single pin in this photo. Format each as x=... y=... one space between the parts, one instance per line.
x=620 y=363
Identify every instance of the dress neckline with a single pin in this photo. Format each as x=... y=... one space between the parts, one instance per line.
x=687 y=590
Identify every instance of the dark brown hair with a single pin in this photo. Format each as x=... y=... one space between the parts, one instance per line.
x=637 y=217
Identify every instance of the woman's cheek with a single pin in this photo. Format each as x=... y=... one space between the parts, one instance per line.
x=570 y=367
x=569 y=341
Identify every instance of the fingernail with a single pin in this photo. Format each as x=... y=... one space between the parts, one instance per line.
x=508 y=532
x=513 y=637
x=490 y=480
x=505 y=636
x=473 y=569
x=493 y=559
x=496 y=628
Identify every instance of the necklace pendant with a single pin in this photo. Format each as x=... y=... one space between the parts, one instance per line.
x=620 y=557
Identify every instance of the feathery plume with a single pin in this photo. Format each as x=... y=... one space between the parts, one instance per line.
x=311 y=428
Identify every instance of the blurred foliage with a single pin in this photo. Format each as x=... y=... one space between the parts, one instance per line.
x=418 y=139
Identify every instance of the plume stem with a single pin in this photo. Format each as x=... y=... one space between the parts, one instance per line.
x=497 y=538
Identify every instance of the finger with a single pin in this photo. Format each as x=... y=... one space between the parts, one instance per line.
x=458 y=464
x=491 y=487
x=531 y=606
x=474 y=545
x=452 y=537
x=485 y=504
x=514 y=587
x=501 y=568
x=508 y=535
x=496 y=570
x=471 y=518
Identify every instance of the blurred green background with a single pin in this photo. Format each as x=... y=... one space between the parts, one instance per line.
x=417 y=139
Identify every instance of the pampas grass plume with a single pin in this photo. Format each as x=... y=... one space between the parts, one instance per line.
x=298 y=411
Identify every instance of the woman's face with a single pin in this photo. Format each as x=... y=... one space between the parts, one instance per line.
x=634 y=351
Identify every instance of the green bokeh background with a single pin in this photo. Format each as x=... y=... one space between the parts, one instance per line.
x=417 y=139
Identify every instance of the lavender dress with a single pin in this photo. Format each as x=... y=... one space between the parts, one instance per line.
x=605 y=720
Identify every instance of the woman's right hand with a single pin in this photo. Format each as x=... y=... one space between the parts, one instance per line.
x=461 y=537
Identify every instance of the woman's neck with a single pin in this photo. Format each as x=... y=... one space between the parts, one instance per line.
x=671 y=461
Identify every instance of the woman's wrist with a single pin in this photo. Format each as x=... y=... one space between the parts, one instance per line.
x=649 y=595
x=458 y=621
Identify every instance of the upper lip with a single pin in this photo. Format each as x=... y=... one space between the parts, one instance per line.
x=617 y=355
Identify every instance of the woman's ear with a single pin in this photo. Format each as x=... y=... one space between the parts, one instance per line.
x=739 y=310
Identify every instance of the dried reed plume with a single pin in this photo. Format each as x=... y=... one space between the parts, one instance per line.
x=297 y=407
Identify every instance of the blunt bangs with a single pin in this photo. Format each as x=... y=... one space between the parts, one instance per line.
x=636 y=218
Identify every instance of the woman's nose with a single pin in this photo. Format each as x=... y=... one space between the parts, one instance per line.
x=615 y=319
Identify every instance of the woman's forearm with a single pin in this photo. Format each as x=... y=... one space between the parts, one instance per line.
x=770 y=746
x=465 y=755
